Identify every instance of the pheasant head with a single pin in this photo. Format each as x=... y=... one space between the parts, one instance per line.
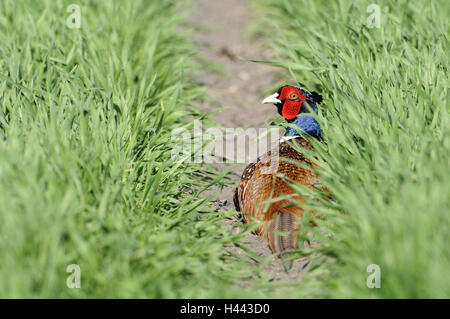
x=291 y=102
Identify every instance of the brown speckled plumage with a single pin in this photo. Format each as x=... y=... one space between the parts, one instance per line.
x=256 y=188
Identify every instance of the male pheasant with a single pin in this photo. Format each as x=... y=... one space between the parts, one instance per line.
x=259 y=193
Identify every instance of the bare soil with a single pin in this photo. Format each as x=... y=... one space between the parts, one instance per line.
x=222 y=40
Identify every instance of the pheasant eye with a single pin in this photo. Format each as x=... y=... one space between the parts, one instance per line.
x=293 y=96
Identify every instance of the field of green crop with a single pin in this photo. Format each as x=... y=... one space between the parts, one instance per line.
x=86 y=175
x=85 y=171
x=387 y=144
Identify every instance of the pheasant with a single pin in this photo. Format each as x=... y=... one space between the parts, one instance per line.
x=259 y=194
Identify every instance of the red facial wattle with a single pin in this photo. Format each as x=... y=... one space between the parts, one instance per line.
x=293 y=100
x=291 y=108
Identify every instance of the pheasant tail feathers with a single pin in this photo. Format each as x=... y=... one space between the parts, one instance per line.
x=280 y=233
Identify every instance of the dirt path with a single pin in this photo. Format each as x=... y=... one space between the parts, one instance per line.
x=222 y=40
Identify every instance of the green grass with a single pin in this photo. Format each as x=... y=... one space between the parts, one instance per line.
x=85 y=173
x=386 y=152
x=86 y=176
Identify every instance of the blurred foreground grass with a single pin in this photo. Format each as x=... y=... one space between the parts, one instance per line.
x=86 y=175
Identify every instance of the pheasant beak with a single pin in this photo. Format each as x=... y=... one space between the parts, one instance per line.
x=271 y=99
